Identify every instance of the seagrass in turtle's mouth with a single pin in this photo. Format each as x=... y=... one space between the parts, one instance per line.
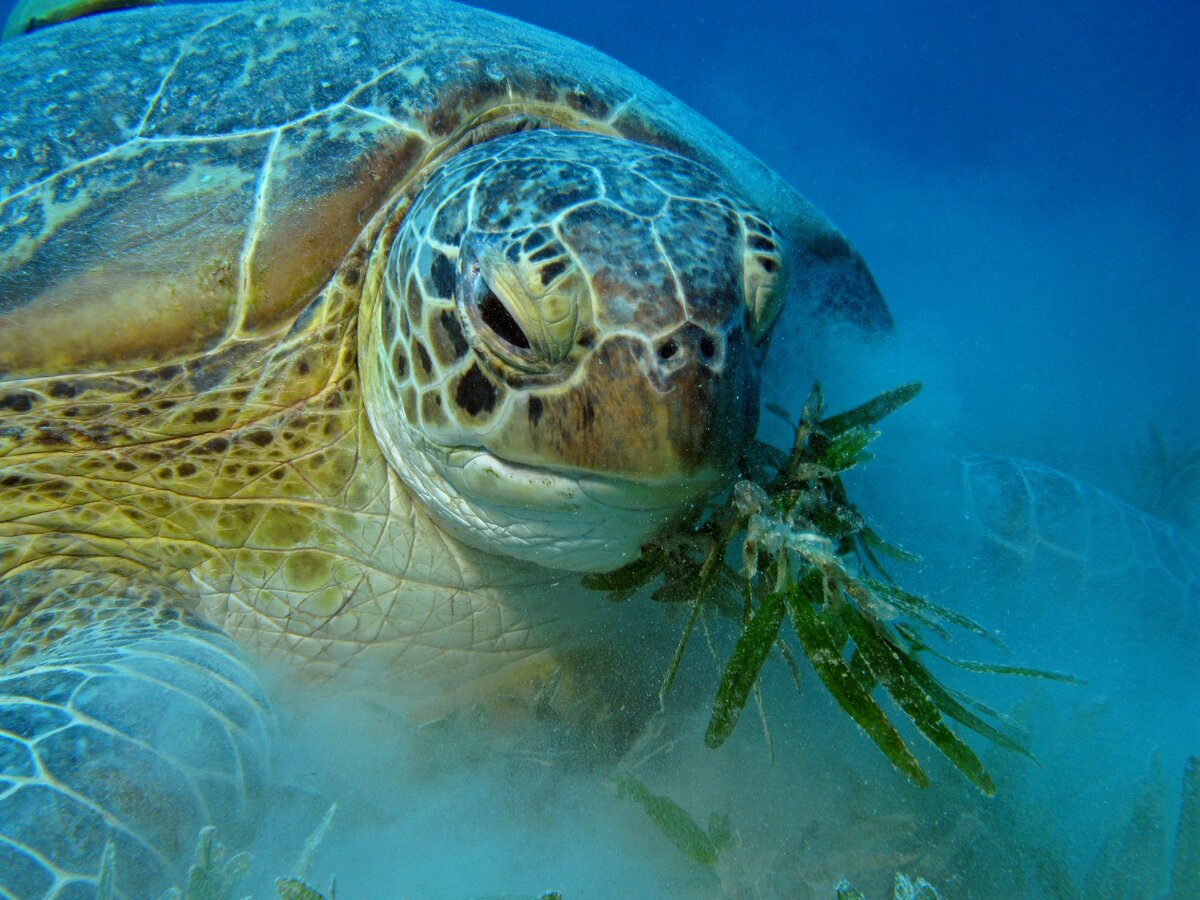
x=563 y=354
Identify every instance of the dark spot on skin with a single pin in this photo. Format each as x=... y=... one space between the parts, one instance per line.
x=431 y=408
x=767 y=263
x=708 y=347
x=586 y=339
x=442 y=273
x=252 y=471
x=277 y=474
x=552 y=271
x=14 y=480
x=589 y=413
x=535 y=411
x=399 y=362
x=423 y=359
x=17 y=402
x=452 y=330
x=352 y=275
x=547 y=252
x=475 y=394
x=667 y=350
x=185 y=470
x=124 y=465
x=206 y=415
x=71 y=412
x=166 y=404
x=387 y=320
x=62 y=390
x=216 y=445
x=758 y=242
x=534 y=241
x=415 y=302
x=302 y=367
x=48 y=437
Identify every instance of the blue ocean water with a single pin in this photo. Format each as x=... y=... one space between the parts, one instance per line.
x=1023 y=182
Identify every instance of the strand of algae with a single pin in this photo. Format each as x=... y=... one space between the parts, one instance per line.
x=1185 y=866
x=699 y=845
x=811 y=559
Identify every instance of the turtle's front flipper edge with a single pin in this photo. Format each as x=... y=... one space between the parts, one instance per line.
x=125 y=720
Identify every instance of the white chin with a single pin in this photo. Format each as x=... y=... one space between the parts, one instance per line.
x=579 y=522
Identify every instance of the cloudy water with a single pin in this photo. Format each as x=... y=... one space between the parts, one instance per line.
x=1023 y=183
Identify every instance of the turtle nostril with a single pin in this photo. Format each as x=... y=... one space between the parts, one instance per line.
x=667 y=350
x=707 y=347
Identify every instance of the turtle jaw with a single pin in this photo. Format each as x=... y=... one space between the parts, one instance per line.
x=563 y=519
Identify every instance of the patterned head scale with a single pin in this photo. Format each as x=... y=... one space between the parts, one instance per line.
x=563 y=354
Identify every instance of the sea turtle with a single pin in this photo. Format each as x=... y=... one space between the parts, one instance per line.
x=340 y=334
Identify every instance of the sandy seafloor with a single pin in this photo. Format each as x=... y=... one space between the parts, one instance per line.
x=1023 y=181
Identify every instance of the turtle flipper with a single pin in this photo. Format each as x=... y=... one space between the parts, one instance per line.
x=136 y=729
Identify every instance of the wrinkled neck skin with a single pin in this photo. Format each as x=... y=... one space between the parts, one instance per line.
x=438 y=624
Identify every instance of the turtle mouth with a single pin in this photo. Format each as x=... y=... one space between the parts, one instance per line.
x=477 y=472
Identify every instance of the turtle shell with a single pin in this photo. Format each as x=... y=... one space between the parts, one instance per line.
x=180 y=177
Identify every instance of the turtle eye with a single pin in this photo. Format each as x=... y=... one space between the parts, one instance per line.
x=494 y=322
x=495 y=315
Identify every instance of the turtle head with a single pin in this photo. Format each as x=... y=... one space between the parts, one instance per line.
x=563 y=354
